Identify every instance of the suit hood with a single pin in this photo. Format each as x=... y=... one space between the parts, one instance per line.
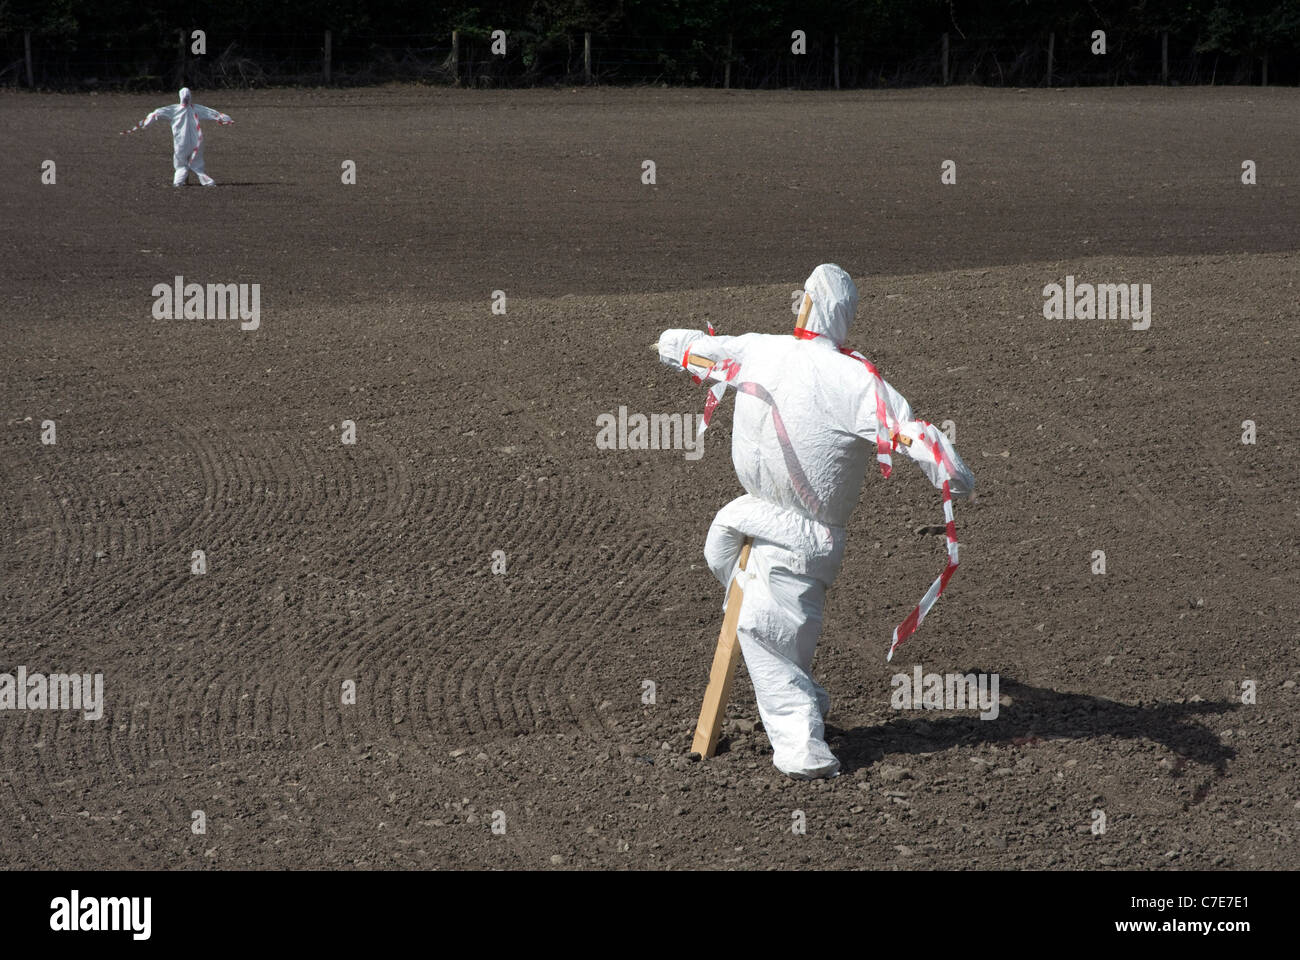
x=834 y=303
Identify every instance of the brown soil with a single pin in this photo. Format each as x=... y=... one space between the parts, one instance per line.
x=522 y=692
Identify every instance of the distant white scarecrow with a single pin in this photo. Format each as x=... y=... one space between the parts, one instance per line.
x=187 y=135
x=809 y=414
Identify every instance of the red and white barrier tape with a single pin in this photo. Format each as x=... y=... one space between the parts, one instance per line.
x=887 y=433
x=140 y=125
x=199 y=127
x=886 y=440
x=225 y=122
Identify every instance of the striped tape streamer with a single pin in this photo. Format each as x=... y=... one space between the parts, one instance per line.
x=913 y=619
x=886 y=442
x=141 y=125
x=887 y=433
x=722 y=373
x=199 y=127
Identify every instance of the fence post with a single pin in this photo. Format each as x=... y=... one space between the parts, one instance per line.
x=1051 y=55
x=586 y=57
x=945 y=59
x=27 y=56
x=1264 y=80
x=455 y=58
x=1164 y=56
x=328 y=51
x=726 y=69
x=837 y=61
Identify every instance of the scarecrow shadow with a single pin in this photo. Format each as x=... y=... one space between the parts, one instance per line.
x=1037 y=714
x=196 y=186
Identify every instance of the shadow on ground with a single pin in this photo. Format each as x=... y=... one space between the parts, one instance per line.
x=1036 y=714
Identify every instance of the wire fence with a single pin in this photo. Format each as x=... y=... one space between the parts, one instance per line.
x=153 y=62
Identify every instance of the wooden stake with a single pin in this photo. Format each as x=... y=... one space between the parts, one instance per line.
x=725 y=659
x=804 y=310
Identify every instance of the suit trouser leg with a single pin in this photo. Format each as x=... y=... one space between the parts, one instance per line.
x=780 y=621
x=197 y=166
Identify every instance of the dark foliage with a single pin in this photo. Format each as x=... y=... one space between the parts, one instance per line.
x=747 y=43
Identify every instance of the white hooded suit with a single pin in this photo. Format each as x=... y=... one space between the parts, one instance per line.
x=804 y=435
x=187 y=135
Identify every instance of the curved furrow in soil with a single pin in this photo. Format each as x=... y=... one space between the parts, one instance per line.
x=498 y=689
x=54 y=783
x=48 y=479
x=133 y=550
x=34 y=572
x=26 y=792
x=240 y=481
x=52 y=541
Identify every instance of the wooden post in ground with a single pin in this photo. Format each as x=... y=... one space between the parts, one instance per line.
x=586 y=57
x=1264 y=79
x=455 y=57
x=725 y=659
x=328 y=54
x=1164 y=56
x=945 y=59
x=726 y=67
x=1051 y=55
x=837 y=61
x=27 y=56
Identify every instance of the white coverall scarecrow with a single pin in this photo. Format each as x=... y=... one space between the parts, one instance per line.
x=187 y=135
x=804 y=434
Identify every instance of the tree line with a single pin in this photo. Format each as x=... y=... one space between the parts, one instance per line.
x=739 y=43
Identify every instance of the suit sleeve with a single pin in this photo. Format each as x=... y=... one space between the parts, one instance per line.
x=674 y=345
x=930 y=446
x=207 y=113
